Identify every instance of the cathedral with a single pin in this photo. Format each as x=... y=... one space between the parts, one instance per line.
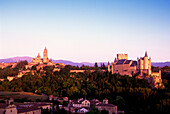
x=40 y=63
x=38 y=58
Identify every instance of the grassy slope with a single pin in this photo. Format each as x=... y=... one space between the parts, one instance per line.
x=22 y=95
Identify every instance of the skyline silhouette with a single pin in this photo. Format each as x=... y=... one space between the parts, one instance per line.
x=85 y=31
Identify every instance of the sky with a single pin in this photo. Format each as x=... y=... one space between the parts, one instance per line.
x=85 y=30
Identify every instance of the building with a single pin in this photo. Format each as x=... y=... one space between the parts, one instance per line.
x=142 y=66
x=123 y=66
x=83 y=110
x=9 y=107
x=40 y=63
x=94 y=102
x=80 y=103
x=38 y=58
x=106 y=106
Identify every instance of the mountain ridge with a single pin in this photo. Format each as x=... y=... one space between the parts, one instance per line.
x=68 y=62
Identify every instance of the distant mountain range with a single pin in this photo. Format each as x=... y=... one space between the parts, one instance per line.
x=160 y=64
x=16 y=59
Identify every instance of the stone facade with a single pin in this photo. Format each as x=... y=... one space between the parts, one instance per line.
x=144 y=65
x=23 y=108
x=80 y=103
x=38 y=58
x=106 y=106
x=123 y=66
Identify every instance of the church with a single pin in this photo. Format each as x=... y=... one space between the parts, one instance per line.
x=38 y=58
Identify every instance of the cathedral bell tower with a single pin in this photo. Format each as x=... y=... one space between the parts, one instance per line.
x=45 y=56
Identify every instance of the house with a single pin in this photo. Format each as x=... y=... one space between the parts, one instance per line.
x=32 y=107
x=8 y=107
x=51 y=97
x=94 y=102
x=82 y=110
x=2 y=79
x=65 y=98
x=80 y=103
x=10 y=78
x=105 y=106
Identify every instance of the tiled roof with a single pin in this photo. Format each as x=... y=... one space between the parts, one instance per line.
x=127 y=61
x=107 y=105
x=94 y=101
x=31 y=104
x=120 y=61
x=3 y=105
x=76 y=102
x=21 y=110
x=26 y=107
x=134 y=63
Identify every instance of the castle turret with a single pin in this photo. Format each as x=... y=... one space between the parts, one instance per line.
x=146 y=61
x=149 y=66
x=146 y=55
x=112 y=67
x=145 y=64
x=122 y=56
x=108 y=67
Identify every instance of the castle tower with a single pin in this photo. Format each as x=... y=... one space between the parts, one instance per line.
x=145 y=61
x=112 y=67
x=122 y=56
x=149 y=66
x=108 y=67
x=144 y=64
x=45 y=56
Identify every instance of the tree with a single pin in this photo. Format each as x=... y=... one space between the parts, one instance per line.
x=33 y=67
x=120 y=102
x=95 y=65
x=21 y=64
x=104 y=112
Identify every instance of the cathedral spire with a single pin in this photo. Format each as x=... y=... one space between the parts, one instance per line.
x=38 y=55
x=45 y=49
x=45 y=56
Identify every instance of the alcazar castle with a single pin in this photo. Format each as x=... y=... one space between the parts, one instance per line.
x=142 y=67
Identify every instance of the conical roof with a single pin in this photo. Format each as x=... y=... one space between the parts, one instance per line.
x=146 y=55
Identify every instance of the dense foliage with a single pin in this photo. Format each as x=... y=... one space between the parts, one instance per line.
x=130 y=94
